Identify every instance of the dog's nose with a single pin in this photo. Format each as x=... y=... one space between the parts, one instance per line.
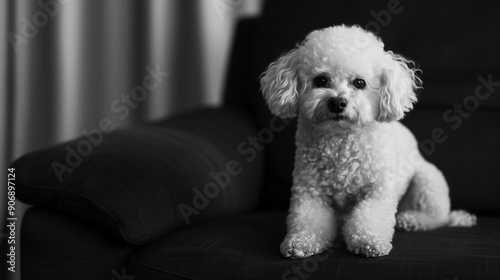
x=337 y=104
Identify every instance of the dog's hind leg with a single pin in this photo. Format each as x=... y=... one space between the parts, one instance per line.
x=426 y=204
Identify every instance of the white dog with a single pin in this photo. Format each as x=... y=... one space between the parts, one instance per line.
x=354 y=160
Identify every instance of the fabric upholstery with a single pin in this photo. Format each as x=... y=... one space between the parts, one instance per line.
x=56 y=245
x=134 y=182
x=469 y=156
x=248 y=248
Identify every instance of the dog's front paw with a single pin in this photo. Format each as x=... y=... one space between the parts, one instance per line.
x=301 y=245
x=367 y=249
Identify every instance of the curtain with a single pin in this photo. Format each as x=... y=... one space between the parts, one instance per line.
x=67 y=64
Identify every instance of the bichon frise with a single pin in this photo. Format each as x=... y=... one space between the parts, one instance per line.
x=354 y=161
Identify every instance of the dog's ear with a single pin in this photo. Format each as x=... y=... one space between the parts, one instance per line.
x=281 y=86
x=398 y=84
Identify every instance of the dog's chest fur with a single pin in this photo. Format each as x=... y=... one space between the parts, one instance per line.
x=345 y=168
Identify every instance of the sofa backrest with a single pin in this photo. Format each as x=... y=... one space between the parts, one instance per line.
x=455 y=43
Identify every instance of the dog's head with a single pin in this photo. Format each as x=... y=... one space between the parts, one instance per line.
x=340 y=77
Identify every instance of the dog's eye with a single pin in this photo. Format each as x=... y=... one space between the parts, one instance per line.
x=320 y=81
x=359 y=83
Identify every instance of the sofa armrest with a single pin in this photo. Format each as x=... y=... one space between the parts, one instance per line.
x=143 y=182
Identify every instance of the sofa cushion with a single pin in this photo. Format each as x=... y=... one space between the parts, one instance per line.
x=57 y=245
x=143 y=182
x=248 y=248
x=468 y=154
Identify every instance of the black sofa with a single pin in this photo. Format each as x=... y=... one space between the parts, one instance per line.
x=204 y=195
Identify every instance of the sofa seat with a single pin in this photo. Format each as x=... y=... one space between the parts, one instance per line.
x=247 y=247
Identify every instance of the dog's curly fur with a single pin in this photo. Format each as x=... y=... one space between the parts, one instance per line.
x=355 y=166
